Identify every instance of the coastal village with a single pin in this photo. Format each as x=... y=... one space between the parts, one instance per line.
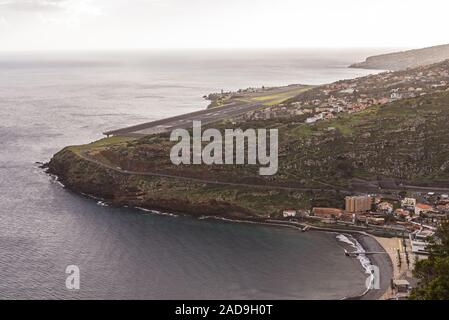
x=350 y=96
x=412 y=218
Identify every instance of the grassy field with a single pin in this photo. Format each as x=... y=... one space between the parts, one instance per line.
x=102 y=144
x=280 y=97
x=268 y=98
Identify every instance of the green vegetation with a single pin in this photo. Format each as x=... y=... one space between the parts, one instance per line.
x=103 y=143
x=269 y=97
x=406 y=140
x=277 y=97
x=433 y=272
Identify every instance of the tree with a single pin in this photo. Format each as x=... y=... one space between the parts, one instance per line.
x=433 y=272
x=403 y=194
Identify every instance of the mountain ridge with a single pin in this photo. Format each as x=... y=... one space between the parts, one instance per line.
x=405 y=59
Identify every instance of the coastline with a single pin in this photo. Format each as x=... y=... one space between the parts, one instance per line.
x=70 y=208
x=368 y=242
x=383 y=261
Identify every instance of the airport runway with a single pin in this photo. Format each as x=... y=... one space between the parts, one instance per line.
x=185 y=120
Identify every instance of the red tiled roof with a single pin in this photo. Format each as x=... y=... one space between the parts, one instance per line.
x=423 y=206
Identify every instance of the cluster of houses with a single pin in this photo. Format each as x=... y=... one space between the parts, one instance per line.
x=355 y=95
x=417 y=216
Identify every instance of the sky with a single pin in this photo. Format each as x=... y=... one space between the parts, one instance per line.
x=168 y=24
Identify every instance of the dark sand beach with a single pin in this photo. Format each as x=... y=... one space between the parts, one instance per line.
x=383 y=261
x=369 y=244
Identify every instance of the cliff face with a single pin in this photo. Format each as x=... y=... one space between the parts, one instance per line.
x=165 y=194
x=405 y=59
x=406 y=141
x=90 y=178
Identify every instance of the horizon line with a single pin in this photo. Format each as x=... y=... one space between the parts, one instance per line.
x=212 y=48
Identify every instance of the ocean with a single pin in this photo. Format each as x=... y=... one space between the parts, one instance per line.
x=51 y=100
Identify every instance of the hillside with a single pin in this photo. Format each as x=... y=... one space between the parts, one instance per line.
x=405 y=140
x=405 y=59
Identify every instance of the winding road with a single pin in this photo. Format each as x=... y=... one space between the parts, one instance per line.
x=207 y=181
x=331 y=188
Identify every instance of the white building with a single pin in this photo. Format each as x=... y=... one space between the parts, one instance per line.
x=289 y=213
x=422 y=208
x=420 y=241
x=396 y=96
x=311 y=120
x=409 y=203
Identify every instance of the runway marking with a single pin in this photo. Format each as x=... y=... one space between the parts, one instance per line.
x=400 y=245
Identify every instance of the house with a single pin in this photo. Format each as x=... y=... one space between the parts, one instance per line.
x=401 y=286
x=401 y=213
x=396 y=96
x=327 y=213
x=289 y=213
x=408 y=203
x=385 y=207
x=311 y=120
x=422 y=208
x=315 y=118
x=419 y=241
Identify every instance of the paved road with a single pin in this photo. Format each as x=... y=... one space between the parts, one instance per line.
x=224 y=183
x=208 y=181
x=185 y=120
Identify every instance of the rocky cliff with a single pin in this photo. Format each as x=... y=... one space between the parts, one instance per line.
x=405 y=59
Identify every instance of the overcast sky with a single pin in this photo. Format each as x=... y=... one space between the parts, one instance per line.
x=141 y=24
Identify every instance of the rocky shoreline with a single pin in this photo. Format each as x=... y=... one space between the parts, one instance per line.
x=118 y=189
x=108 y=185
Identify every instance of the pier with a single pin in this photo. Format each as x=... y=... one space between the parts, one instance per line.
x=357 y=253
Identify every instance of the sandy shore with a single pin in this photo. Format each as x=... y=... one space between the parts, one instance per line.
x=383 y=261
x=402 y=270
x=391 y=245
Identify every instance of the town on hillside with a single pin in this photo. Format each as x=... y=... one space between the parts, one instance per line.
x=414 y=218
x=417 y=215
x=350 y=96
